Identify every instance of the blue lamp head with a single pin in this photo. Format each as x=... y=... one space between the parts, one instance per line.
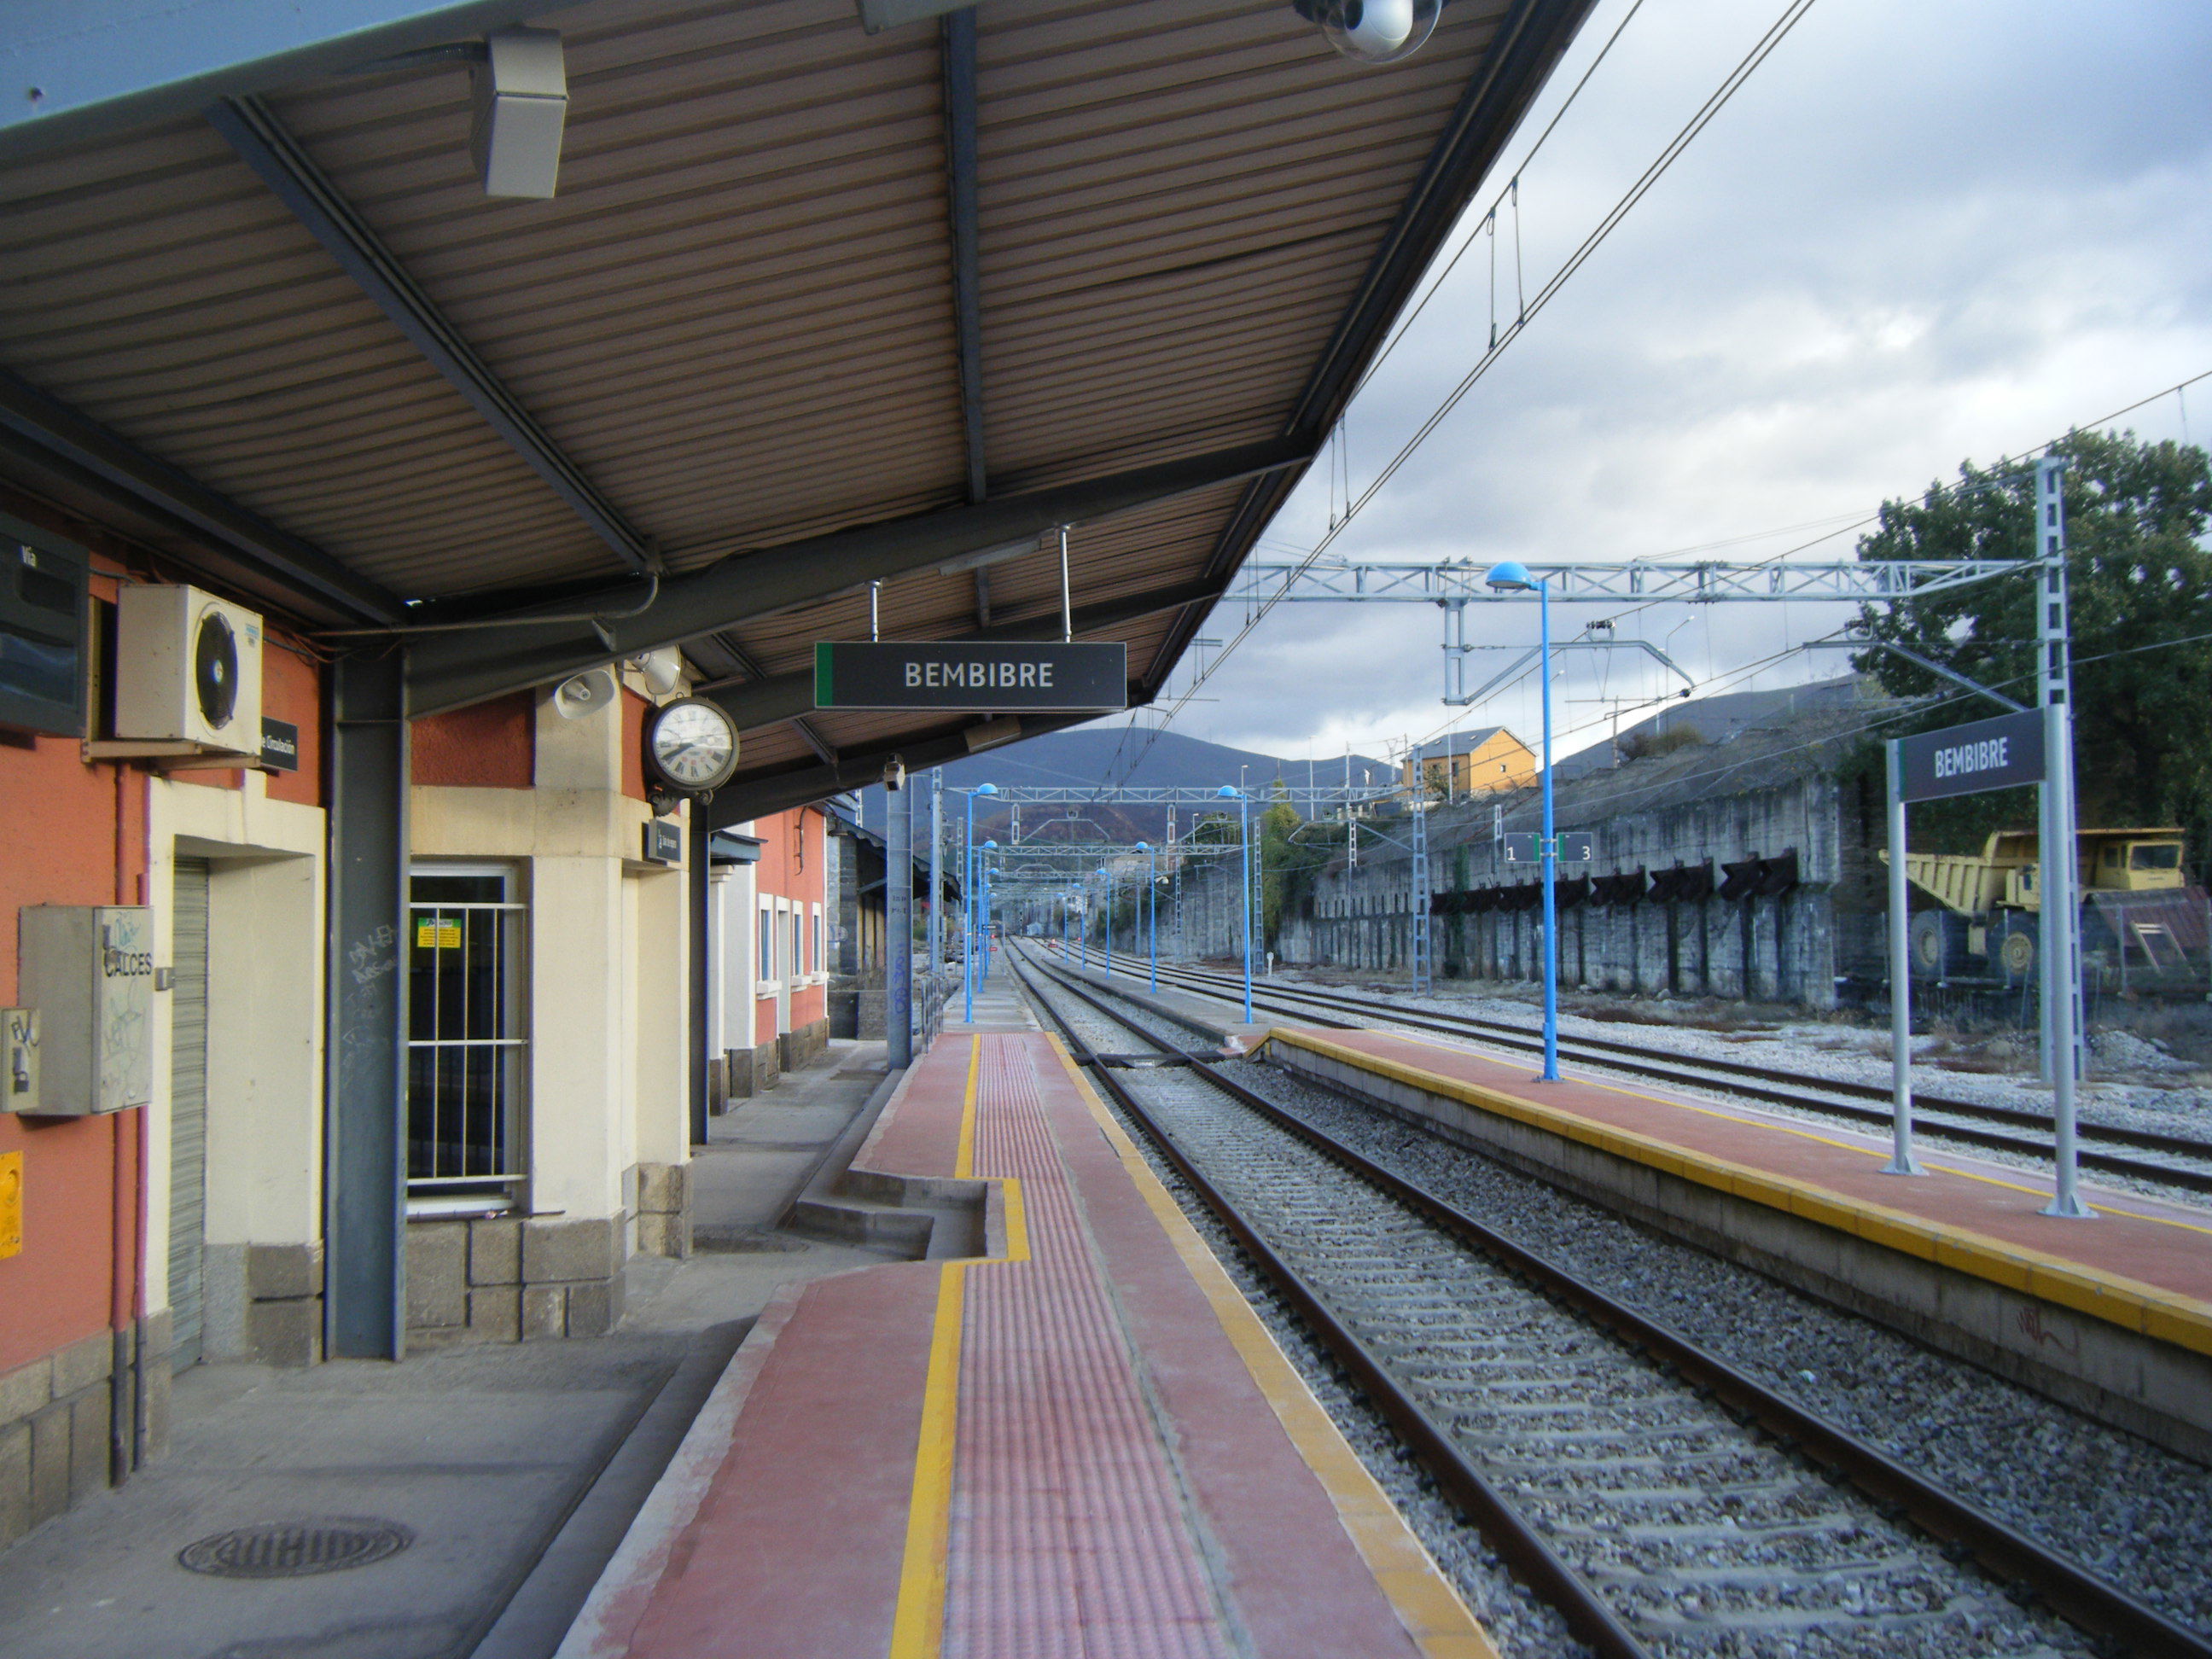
x=1229 y=792
x=986 y=789
x=991 y=846
x=1144 y=846
x=1510 y=576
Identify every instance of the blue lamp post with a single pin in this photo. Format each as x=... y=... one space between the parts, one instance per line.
x=1231 y=791
x=1512 y=577
x=1109 y=934
x=1152 y=908
x=968 y=905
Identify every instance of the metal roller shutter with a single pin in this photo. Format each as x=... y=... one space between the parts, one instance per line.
x=188 y=1110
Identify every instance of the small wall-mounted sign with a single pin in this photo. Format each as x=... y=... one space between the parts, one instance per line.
x=280 y=746
x=437 y=933
x=11 y=1203
x=664 y=841
x=1030 y=676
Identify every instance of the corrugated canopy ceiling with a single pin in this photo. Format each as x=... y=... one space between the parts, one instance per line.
x=737 y=329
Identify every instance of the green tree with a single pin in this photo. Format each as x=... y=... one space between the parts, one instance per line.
x=2141 y=589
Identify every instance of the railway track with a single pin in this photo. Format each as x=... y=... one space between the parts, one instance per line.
x=1662 y=1500
x=2174 y=1161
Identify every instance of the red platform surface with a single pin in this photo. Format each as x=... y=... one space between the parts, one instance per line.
x=1084 y=1445
x=2160 y=1249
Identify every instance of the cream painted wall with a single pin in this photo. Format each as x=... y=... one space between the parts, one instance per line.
x=660 y=1095
x=608 y=1074
x=265 y=961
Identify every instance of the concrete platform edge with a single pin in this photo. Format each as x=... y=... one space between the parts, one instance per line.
x=619 y=1600
x=1947 y=1287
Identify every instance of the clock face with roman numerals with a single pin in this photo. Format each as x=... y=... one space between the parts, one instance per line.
x=691 y=744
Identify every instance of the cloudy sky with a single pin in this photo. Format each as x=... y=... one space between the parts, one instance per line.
x=1922 y=231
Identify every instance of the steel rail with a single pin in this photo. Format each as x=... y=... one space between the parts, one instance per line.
x=2024 y=1567
x=1795 y=1090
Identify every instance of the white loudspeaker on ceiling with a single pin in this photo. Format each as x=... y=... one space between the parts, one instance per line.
x=585 y=694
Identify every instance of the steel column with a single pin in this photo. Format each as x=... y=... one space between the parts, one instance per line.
x=1901 y=976
x=898 y=929
x=2058 y=839
x=365 y=1182
x=698 y=870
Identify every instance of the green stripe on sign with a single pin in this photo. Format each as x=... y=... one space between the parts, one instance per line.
x=825 y=675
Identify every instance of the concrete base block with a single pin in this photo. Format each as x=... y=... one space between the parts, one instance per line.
x=503 y=1279
x=437 y=1274
x=496 y=1312
x=570 y=1250
x=287 y=1333
x=15 y=1480
x=544 y=1311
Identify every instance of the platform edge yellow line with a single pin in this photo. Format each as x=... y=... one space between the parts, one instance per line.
x=2112 y=1297
x=918 y=1625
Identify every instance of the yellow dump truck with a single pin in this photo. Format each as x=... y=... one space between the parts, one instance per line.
x=2139 y=911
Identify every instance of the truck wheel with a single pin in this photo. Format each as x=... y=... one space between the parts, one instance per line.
x=2016 y=951
x=1938 y=942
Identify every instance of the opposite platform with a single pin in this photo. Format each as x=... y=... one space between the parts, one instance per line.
x=2113 y=1314
x=1085 y=1443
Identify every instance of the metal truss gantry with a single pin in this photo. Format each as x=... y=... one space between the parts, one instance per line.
x=1453 y=587
x=1339 y=581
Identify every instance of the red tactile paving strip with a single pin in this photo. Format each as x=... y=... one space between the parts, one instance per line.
x=1069 y=1535
x=2164 y=1245
x=1121 y=1486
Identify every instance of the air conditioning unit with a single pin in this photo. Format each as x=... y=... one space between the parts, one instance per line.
x=187 y=669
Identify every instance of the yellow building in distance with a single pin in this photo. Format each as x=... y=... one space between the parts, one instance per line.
x=1472 y=763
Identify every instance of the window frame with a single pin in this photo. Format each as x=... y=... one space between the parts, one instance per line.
x=501 y=1187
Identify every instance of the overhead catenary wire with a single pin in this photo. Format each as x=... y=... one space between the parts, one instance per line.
x=1776 y=33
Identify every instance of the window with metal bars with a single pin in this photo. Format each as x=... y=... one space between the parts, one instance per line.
x=466 y=1042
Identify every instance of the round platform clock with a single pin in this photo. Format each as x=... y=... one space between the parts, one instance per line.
x=691 y=745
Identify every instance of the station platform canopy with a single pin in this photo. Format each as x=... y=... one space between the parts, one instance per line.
x=810 y=306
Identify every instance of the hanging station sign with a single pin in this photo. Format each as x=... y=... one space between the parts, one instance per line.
x=1027 y=676
x=1966 y=760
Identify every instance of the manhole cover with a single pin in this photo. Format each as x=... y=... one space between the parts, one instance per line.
x=293 y=1549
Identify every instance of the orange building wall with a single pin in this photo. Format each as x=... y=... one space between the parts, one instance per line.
x=793 y=865
x=70 y=833
x=491 y=745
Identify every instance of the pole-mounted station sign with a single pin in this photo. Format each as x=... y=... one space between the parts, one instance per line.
x=1024 y=676
x=1966 y=760
x=1575 y=846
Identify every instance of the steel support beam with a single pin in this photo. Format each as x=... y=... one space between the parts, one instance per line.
x=452 y=670
x=769 y=700
x=250 y=129
x=84 y=459
x=963 y=212
x=365 y=1181
x=74 y=68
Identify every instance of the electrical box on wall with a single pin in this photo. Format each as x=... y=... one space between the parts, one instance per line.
x=88 y=969
x=43 y=628
x=19 y=1059
x=187 y=669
